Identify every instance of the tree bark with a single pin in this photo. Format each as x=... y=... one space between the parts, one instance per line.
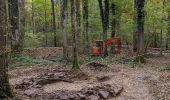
x=163 y=7
x=86 y=26
x=135 y=34
x=64 y=28
x=139 y=31
x=54 y=23
x=14 y=22
x=78 y=15
x=5 y=90
x=17 y=22
x=21 y=7
x=45 y=22
x=113 y=24
x=140 y=25
x=33 y=19
x=74 y=33
x=104 y=13
x=113 y=7
x=168 y=34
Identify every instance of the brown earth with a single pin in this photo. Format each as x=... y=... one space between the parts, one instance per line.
x=134 y=82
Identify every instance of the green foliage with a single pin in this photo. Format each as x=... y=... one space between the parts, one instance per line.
x=155 y=19
x=25 y=60
x=167 y=68
x=33 y=40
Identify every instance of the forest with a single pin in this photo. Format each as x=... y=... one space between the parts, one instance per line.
x=84 y=49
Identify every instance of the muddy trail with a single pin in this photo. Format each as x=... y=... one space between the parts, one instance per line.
x=95 y=81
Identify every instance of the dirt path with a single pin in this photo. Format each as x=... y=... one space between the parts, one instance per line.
x=139 y=83
x=147 y=82
x=134 y=86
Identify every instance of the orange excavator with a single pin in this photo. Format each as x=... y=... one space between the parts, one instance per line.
x=115 y=42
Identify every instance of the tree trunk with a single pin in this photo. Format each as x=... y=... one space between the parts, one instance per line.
x=78 y=21
x=78 y=15
x=139 y=30
x=74 y=32
x=21 y=6
x=135 y=34
x=113 y=24
x=163 y=7
x=33 y=20
x=14 y=21
x=168 y=34
x=45 y=22
x=113 y=20
x=104 y=13
x=101 y=12
x=155 y=40
x=106 y=25
x=86 y=26
x=5 y=90
x=17 y=22
x=64 y=28
x=54 y=23
x=140 y=25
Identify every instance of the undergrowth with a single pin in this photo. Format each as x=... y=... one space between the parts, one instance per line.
x=167 y=68
x=25 y=60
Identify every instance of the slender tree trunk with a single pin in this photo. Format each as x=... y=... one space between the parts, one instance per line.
x=113 y=24
x=21 y=6
x=64 y=28
x=101 y=13
x=14 y=22
x=54 y=23
x=33 y=15
x=163 y=4
x=139 y=31
x=5 y=90
x=78 y=19
x=135 y=34
x=107 y=9
x=140 y=25
x=78 y=15
x=161 y=40
x=155 y=40
x=17 y=22
x=86 y=26
x=45 y=23
x=113 y=7
x=168 y=34
x=74 y=32
x=104 y=13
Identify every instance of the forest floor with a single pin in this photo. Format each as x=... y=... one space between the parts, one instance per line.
x=126 y=80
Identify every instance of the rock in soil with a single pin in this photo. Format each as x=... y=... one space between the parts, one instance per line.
x=32 y=92
x=93 y=97
x=49 y=78
x=32 y=87
x=25 y=83
x=103 y=78
x=116 y=90
x=95 y=66
x=81 y=96
x=104 y=94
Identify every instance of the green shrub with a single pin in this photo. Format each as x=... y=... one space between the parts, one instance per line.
x=25 y=60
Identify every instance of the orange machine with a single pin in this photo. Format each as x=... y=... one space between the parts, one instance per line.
x=117 y=43
x=98 y=49
x=109 y=41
